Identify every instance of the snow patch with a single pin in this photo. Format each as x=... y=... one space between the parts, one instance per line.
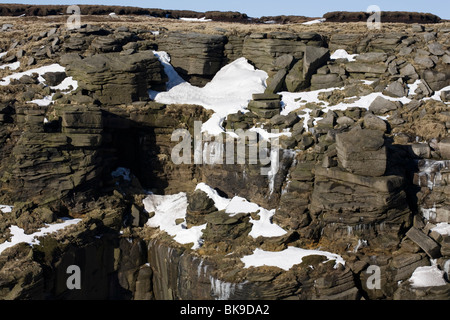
x=40 y=71
x=437 y=95
x=264 y=227
x=241 y=205
x=18 y=234
x=343 y=54
x=5 y=208
x=413 y=87
x=442 y=228
x=168 y=209
x=66 y=84
x=427 y=277
x=196 y=19
x=11 y=66
x=314 y=21
x=266 y=135
x=294 y=101
x=286 y=259
x=228 y=92
x=45 y=101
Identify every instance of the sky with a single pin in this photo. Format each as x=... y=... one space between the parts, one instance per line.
x=260 y=8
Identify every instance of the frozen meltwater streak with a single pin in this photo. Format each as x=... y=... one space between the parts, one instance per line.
x=430 y=172
x=223 y=290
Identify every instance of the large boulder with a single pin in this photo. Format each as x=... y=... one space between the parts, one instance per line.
x=362 y=152
x=351 y=206
x=114 y=79
x=381 y=106
x=196 y=57
x=436 y=80
x=315 y=57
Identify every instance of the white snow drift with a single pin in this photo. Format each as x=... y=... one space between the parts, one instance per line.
x=286 y=259
x=229 y=91
x=169 y=209
x=18 y=234
x=67 y=84
x=427 y=277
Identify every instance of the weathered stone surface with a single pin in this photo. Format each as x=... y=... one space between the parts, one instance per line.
x=424 y=61
x=352 y=205
x=444 y=148
x=381 y=184
x=422 y=240
x=372 y=57
x=314 y=58
x=115 y=79
x=396 y=89
x=222 y=227
x=421 y=150
x=276 y=83
x=362 y=152
x=266 y=96
x=381 y=106
x=322 y=81
x=373 y=122
x=55 y=175
x=360 y=67
x=264 y=104
x=295 y=79
x=199 y=206
x=195 y=56
x=445 y=96
x=436 y=80
x=436 y=48
x=263 y=52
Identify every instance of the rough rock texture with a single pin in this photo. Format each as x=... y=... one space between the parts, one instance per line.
x=362 y=152
x=118 y=79
x=197 y=57
x=368 y=182
x=47 y=164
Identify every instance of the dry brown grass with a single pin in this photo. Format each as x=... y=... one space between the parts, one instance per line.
x=37 y=24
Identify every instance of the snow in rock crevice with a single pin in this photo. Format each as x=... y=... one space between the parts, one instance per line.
x=228 y=92
x=18 y=234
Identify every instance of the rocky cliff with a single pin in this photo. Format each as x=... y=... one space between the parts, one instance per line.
x=362 y=178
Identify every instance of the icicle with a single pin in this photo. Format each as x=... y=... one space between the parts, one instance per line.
x=222 y=290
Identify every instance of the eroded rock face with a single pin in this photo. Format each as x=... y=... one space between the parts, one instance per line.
x=114 y=79
x=350 y=205
x=47 y=166
x=362 y=152
x=197 y=57
x=352 y=181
